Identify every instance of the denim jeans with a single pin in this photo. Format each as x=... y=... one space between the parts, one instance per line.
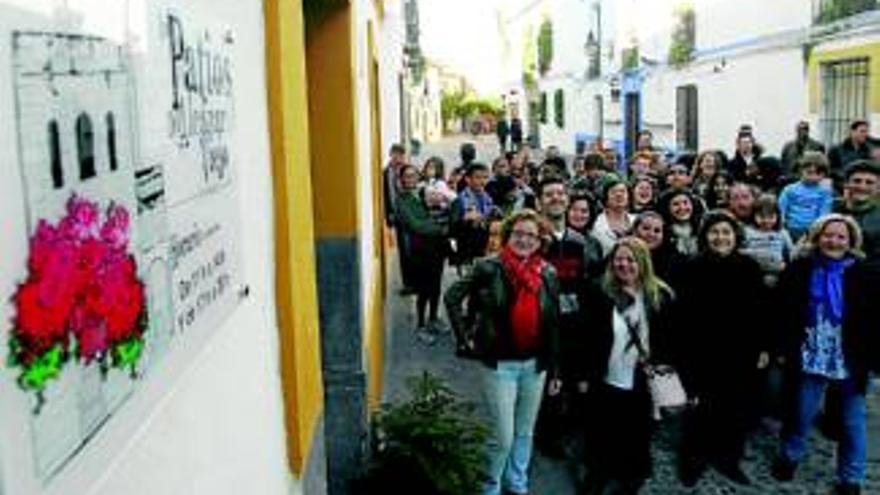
x=852 y=448
x=513 y=393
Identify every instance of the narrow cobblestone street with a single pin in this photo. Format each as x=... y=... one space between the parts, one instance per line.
x=409 y=356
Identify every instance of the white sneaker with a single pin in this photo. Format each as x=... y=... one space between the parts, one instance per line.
x=439 y=326
x=425 y=336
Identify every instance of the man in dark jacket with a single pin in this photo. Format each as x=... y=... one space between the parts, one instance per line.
x=746 y=155
x=516 y=132
x=391 y=189
x=575 y=263
x=502 y=130
x=391 y=182
x=795 y=149
x=855 y=147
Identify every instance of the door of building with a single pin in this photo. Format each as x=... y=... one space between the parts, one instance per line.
x=631 y=108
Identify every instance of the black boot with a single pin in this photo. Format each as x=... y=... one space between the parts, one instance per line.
x=690 y=471
x=733 y=472
x=783 y=469
x=848 y=489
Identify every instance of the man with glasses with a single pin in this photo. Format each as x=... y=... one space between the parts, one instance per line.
x=678 y=177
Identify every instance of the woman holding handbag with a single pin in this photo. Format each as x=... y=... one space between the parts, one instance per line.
x=625 y=317
x=720 y=336
x=515 y=298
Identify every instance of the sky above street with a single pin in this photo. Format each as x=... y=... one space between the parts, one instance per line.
x=463 y=35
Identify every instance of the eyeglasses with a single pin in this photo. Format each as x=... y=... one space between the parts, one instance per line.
x=522 y=234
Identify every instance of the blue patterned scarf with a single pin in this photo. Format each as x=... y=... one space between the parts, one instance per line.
x=826 y=289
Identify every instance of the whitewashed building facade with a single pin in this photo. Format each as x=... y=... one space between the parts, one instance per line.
x=766 y=64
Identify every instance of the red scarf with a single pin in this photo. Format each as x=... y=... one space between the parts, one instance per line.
x=525 y=312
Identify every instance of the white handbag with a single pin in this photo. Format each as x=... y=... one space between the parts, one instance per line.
x=667 y=393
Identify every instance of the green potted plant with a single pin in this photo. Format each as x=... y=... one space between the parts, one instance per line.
x=431 y=444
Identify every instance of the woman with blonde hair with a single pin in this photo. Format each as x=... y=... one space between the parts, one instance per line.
x=828 y=339
x=515 y=299
x=625 y=318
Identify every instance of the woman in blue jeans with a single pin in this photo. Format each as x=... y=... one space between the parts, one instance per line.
x=828 y=340
x=514 y=295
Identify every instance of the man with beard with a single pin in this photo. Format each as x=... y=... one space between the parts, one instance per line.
x=576 y=261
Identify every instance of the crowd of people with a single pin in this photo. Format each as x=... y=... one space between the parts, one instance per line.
x=575 y=280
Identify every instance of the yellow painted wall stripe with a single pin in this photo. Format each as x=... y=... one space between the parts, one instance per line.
x=376 y=345
x=296 y=290
x=872 y=51
x=376 y=314
x=332 y=113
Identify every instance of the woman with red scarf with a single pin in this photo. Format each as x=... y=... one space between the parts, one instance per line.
x=515 y=296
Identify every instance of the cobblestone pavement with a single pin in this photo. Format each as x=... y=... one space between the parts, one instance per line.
x=447 y=149
x=408 y=356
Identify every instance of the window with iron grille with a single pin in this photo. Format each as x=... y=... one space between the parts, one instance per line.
x=686 y=130
x=844 y=88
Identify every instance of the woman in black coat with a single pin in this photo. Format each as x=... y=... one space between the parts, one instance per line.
x=720 y=339
x=629 y=303
x=649 y=226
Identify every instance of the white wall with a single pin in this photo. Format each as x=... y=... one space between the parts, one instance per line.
x=551 y=134
x=365 y=19
x=767 y=90
x=208 y=419
x=658 y=107
x=390 y=70
x=730 y=96
x=649 y=21
x=722 y=22
x=571 y=20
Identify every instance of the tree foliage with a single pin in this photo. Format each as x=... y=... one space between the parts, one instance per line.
x=681 y=50
x=545 y=46
x=432 y=444
x=451 y=105
x=833 y=10
x=416 y=63
x=530 y=60
x=461 y=105
x=630 y=58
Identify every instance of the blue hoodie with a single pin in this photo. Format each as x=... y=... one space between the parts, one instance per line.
x=801 y=204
